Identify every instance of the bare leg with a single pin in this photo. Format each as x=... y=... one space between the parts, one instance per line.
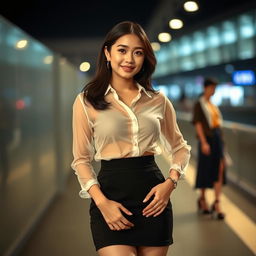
x=152 y=251
x=118 y=250
x=217 y=188
x=203 y=192
x=218 y=184
x=202 y=204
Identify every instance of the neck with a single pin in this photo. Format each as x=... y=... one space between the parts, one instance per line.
x=121 y=85
x=206 y=97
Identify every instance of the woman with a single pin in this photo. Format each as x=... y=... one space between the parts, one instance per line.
x=120 y=120
x=210 y=170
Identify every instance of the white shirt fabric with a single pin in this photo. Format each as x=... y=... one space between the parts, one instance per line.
x=148 y=125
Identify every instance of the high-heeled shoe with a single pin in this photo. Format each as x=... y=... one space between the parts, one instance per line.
x=216 y=214
x=202 y=207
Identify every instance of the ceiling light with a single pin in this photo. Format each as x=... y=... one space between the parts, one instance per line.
x=156 y=46
x=21 y=44
x=48 y=59
x=175 y=23
x=191 y=6
x=85 y=66
x=164 y=37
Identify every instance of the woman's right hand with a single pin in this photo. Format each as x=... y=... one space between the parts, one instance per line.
x=205 y=147
x=112 y=213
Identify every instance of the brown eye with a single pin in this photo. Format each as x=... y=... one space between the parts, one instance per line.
x=139 y=53
x=122 y=50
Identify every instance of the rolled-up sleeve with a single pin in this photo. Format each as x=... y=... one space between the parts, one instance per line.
x=176 y=148
x=83 y=150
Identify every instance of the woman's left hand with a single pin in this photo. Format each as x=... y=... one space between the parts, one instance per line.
x=161 y=193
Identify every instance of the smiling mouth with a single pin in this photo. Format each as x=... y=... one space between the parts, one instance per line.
x=127 y=68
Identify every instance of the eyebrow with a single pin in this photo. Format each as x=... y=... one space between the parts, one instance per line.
x=126 y=46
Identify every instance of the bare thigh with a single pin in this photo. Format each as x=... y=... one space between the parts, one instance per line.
x=117 y=250
x=152 y=251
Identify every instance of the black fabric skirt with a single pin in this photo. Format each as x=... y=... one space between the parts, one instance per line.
x=208 y=165
x=128 y=181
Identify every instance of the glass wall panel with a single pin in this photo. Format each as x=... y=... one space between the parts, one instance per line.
x=223 y=42
x=213 y=56
x=246 y=48
x=228 y=39
x=199 y=42
x=213 y=37
x=246 y=42
x=213 y=42
x=185 y=47
x=229 y=34
x=187 y=63
x=200 y=60
x=174 y=62
x=35 y=122
x=246 y=27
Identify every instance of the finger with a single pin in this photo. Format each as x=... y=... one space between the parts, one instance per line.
x=116 y=226
x=125 y=210
x=150 y=206
x=127 y=222
x=153 y=211
x=151 y=193
x=126 y=226
x=121 y=225
x=159 y=212
x=111 y=226
x=156 y=210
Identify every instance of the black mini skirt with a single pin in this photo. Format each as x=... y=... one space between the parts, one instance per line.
x=128 y=181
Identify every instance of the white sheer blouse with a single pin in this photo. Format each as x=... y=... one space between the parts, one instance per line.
x=148 y=125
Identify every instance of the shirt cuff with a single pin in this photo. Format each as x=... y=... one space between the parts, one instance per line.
x=177 y=168
x=83 y=193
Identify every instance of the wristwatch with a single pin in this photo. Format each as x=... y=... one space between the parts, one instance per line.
x=175 y=183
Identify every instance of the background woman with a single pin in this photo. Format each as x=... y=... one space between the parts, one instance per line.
x=210 y=170
x=120 y=120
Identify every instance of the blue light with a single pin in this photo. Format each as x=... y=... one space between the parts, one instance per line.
x=244 y=77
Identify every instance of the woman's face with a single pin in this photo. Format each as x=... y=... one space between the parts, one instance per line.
x=210 y=90
x=126 y=57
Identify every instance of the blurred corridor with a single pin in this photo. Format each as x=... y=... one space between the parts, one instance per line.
x=45 y=61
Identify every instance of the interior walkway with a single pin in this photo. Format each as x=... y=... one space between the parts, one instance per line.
x=65 y=228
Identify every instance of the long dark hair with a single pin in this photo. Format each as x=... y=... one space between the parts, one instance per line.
x=94 y=91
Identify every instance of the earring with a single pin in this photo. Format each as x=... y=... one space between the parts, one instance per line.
x=108 y=64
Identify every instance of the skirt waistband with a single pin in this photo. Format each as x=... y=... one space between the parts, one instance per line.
x=128 y=163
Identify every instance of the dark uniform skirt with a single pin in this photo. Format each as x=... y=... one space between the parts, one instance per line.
x=208 y=165
x=128 y=181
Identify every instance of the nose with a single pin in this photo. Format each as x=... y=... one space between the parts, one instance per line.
x=129 y=57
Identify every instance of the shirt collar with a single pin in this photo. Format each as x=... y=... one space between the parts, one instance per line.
x=110 y=88
x=141 y=88
x=144 y=90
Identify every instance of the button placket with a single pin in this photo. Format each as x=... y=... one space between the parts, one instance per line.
x=135 y=125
